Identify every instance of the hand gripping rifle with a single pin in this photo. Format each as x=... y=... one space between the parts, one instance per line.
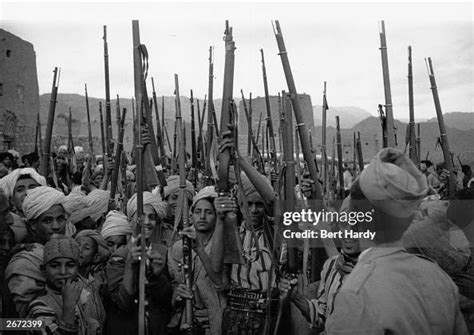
x=233 y=250
x=442 y=129
x=182 y=214
x=302 y=127
x=140 y=69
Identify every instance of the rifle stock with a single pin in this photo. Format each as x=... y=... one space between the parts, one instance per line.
x=89 y=128
x=49 y=126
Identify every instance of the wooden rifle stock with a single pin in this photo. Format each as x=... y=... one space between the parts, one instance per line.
x=102 y=133
x=282 y=324
x=210 y=121
x=271 y=133
x=49 y=126
x=118 y=160
x=302 y=127
x=108 y=113
x=159 y=134
x=411 y=106
x=442 y=129
x=323 y=142
x=187 y=252
x=89 y=127
x=360 y=157
x=339 y=160
x=193 y=141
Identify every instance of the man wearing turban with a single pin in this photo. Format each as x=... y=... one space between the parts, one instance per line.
x=390 y=290
x=120 y=270
x=15 y=186
x=46 y=217
x=208 y=301
x=171 y=195
x=70 y=304
x=87 y=211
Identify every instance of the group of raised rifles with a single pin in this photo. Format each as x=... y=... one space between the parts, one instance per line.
x=203 y=253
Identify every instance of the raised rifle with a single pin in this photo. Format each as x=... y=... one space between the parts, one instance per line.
x=200 y=143
x=108 y=113
x=159 y=135
x=418 y=145
x=193 y=142
x=165 y=130
x=210 y=113
x=391 y=140
x=324 y=162
x=442 y=129
x=117 y=114
x=339 y=160
x=140 y=225
x=70 y=147
x=271 y=133
x=252 y=145
x=302 y=127
x=140 y=67
x=411 y=106
x=118 y=160
x=288 y=203
x=89 y=128
x=233 y=250
x=360 y=157
x=102 y=133
x=183 y=214
x=45 y=169
x=383 y=120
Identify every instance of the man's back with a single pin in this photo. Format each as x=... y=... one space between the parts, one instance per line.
x=391 y=291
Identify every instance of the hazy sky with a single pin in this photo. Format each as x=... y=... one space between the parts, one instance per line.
x=334 y=42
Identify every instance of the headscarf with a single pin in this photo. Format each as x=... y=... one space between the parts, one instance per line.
x=116 y=223
x=41 y=199
x=208 y=192
x=26 y=263
x=98 y=203
x=76 y=203
x=148 y=199
x=173 y=185
x=61 y=247
x=9 y=181
x=392 y=183
x=102 y=248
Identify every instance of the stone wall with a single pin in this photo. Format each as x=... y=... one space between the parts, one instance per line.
x=19 y=93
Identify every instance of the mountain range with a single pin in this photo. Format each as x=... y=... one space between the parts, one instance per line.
x=459 y=125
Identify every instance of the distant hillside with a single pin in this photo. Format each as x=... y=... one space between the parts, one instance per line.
x=348 y=116
x=460 y=141
x=459 y=120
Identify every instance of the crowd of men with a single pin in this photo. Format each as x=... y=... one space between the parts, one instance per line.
x=69 y=256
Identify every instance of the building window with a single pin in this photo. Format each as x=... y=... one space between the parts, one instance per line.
x=9 y=52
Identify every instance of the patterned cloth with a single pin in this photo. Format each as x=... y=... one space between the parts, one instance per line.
x=89 y=311
x=333 y=275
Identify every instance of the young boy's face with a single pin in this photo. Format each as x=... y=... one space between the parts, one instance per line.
x=58 y=270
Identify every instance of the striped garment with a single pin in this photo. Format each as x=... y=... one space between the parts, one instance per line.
x=331 y=282
x=254 y=274
x=90 y=313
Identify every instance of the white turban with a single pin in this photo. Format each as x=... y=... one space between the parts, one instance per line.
x=205 y=193
x=393 y=183
x=41 y=199
x=172 y=185
x=9 y=181
x=77 y=204
x=116 y=223
x=148 y=199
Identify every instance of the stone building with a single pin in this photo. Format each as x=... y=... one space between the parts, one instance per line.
x=19 y=93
